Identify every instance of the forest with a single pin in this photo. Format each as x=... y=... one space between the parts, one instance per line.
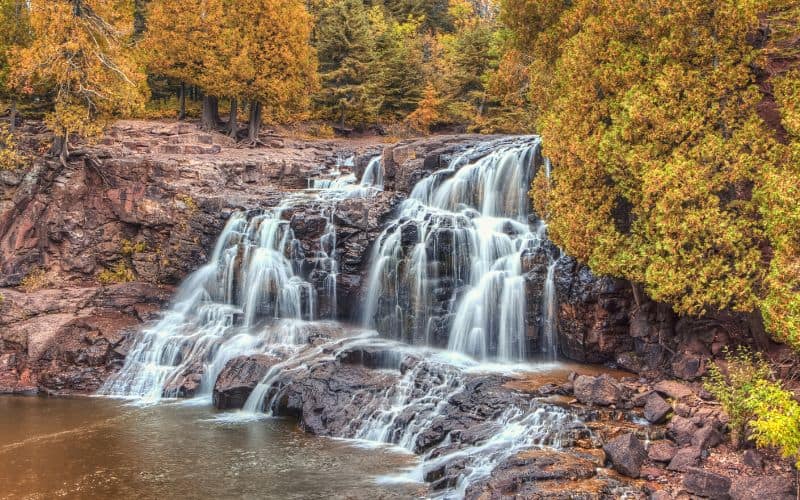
x=672 y=128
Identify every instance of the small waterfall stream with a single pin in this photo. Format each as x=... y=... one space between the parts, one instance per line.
x=446 y=272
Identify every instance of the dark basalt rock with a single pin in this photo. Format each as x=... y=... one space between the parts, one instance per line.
x=762 y=488
x=238 y=379
x=656 y=409
x=602 y=390
x=627 y=454
x=661 y=451
x=707 y=484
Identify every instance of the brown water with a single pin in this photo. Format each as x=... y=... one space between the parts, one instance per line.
x=100 y=448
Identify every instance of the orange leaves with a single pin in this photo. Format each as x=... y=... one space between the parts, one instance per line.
x=82 y=56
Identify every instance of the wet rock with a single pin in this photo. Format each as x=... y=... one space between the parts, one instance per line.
x=626 y=454
x=763 y=488
x=656 y=409
x=685 y=458
x=238 y=379
x=661 y=451
x=707 y=484
x=602 y=390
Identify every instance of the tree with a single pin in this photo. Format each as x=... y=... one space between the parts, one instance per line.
x=466 y=57
x=398 y=69
x=81 y=54
x=428 y=112
x=15 y=33
x=345 y=43
x=665 y=171
x=264 y=55
x=174 y=41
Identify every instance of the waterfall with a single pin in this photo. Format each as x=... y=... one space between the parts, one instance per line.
x=373 y=174
x=448 y=270
x=249 y=297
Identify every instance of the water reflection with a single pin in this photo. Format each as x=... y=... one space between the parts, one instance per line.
x=97 y=448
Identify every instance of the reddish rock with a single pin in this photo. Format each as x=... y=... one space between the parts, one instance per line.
x=627 y=454
x=238 y=379
x=763 y=488
x=602 y=390
x=685 y=458
x=707 y=484
x=656 y=409
x=661 y=451
x=673 y=389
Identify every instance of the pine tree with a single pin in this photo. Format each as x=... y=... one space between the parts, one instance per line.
x=399 y=67
x=174 y=41
x=80 y=53
x=282 y=74
x=344 y=38
x=428 y=112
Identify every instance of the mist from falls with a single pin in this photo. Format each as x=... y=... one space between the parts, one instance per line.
x=446 y=273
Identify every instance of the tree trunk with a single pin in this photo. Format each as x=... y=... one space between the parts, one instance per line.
x=210 y=120
x=254 y=126
x=182 y=99
x=233 y=126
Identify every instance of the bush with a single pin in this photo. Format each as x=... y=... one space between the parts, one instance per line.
x=36 y=279
x=754 y=401
x=10 y=158
x=120 y=273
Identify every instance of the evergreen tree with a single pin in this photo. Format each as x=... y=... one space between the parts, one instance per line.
x=399 y=64
x=665 y=172
x=271 y=61
x=80 y=53
x=345 y=42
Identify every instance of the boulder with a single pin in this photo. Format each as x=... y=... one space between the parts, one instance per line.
x=627 y=454
x=238 y=379
x=706 y=437
x=656 y=409
x=685 y=458
x=602 y=390
x=707 y=484
x=661 y=451
x=681 y=430
x=673 y=389
x=763 y=488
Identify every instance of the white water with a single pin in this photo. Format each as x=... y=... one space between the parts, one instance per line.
x=251 y=297
x=479 y=210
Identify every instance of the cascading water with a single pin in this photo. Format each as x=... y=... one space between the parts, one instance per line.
x=452 y=260
x=447 y=272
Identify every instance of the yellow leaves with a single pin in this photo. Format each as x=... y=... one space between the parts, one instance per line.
x=10 y=157
x=83 y=58
x=653 y=103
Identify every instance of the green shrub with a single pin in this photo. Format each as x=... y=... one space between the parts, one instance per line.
x=777 y=419
x=754 y=401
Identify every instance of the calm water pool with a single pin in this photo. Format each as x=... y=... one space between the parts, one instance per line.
x=101 y=448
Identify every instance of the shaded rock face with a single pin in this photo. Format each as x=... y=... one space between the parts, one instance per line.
x=237 y=380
